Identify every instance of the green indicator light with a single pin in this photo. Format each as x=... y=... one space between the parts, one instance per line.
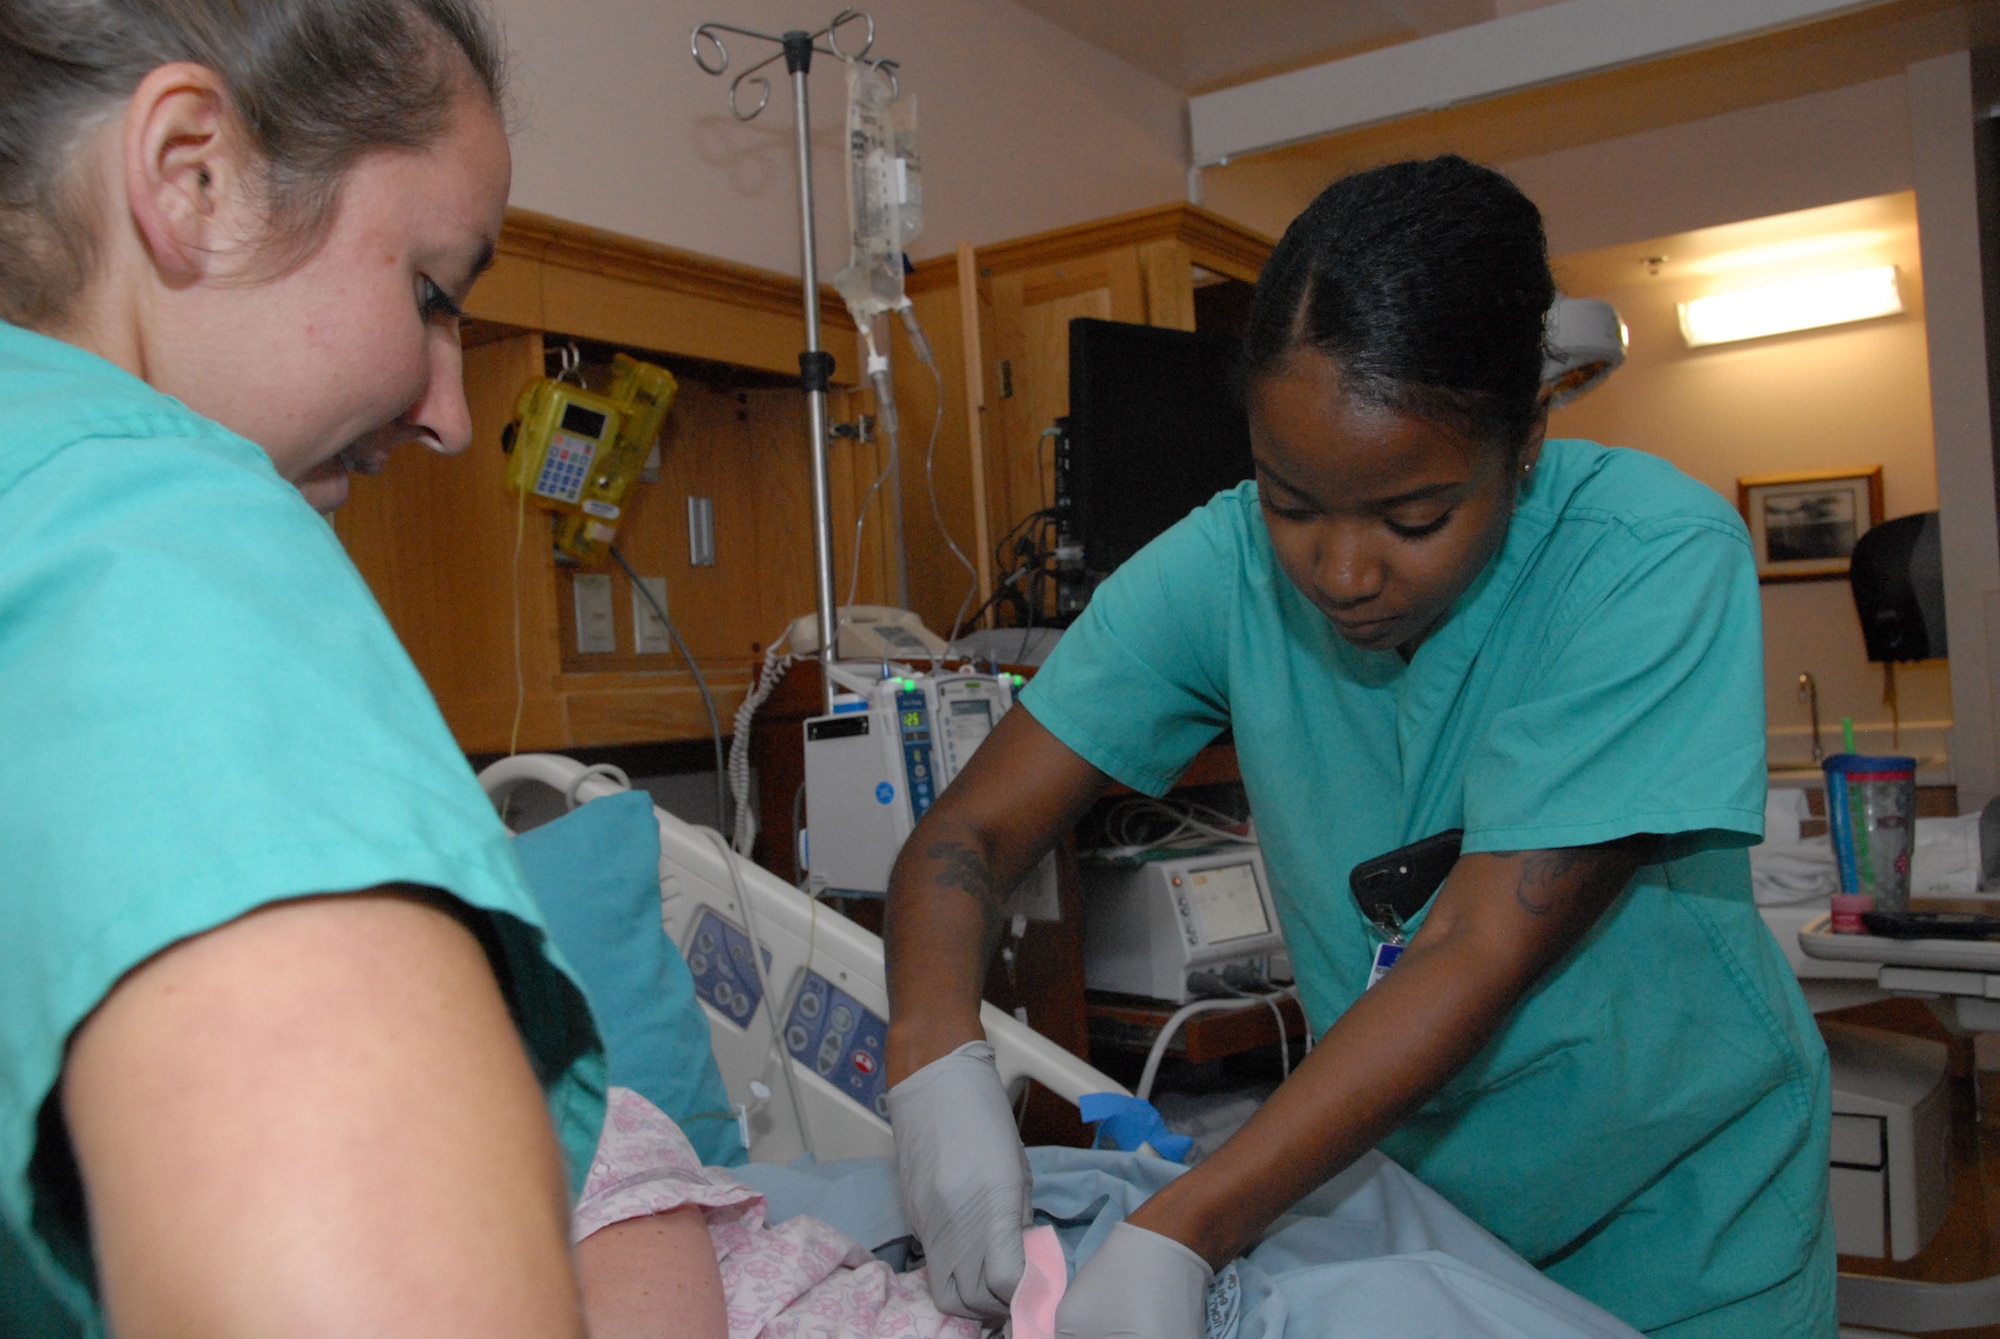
x=909 y=685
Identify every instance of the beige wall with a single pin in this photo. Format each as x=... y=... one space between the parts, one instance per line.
x=1843 y=144
x=618 y=129
x=1875 y=103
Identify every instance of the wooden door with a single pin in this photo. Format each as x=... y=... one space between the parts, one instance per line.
x=1028 y=369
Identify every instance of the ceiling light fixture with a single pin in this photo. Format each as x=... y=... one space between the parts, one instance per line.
x=1802 y=304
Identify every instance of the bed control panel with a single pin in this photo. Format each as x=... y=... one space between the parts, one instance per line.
x=718 y=955
x=842 y=1041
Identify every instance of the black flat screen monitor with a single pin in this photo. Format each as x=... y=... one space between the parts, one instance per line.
x=1154 y=432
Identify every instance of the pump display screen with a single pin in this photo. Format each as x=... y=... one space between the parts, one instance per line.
x=584 y=422
x=1227 y=903
x=971 y=721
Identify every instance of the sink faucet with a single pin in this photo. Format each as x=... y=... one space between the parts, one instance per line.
x=1809 y=694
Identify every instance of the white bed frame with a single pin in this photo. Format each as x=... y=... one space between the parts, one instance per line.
x=721 y=911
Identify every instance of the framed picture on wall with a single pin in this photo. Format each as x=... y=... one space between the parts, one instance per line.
x=1803 y=525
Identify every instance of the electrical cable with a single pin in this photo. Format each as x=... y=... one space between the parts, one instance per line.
x=1131 y=825
x=1160 y=1043
x=729 y=859
x=999 y=592
x=520 y=675
x=776 y=663
x=700 y=680
x=930 y=480
x=854 y=567
x=1270 y=999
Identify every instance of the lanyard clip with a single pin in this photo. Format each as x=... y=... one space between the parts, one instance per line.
x=1388 y=924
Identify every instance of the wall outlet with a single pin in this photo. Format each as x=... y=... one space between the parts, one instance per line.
x=650 y=636
x=596 y=625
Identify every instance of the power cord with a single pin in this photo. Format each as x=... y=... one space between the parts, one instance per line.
x=1235 y=1000
x=776 y=663
x=701 y=682
x=729 y=859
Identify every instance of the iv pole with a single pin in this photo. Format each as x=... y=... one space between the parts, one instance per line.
x=815 y=365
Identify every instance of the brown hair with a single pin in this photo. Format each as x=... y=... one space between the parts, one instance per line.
x=314 y=85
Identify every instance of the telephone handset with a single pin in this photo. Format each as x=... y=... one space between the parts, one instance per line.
x=869 y=632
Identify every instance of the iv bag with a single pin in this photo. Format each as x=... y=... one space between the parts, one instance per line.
x=884 y=193
x=909 y=168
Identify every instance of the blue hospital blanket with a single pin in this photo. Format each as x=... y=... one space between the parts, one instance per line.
x=1372 y=1254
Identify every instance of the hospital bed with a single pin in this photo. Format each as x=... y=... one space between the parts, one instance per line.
x=795 y=994
x=796 y=1003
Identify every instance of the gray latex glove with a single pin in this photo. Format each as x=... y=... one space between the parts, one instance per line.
x=1139 y=1285
x=963 y=1180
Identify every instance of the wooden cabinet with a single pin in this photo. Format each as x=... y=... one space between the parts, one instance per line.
x=1176 y=265
x=466 y=574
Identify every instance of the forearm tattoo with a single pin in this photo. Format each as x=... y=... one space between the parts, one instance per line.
x=964 y=867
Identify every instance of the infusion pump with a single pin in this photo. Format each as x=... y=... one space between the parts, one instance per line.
x=1183 y=927
x=874 y=766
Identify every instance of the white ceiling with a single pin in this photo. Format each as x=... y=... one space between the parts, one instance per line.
x=1201 y=45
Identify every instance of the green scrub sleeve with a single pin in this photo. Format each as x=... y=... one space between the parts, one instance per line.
x=206 y=713
x=1645 y=714
x=1139 y=684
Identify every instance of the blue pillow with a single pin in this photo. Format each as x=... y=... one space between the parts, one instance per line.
x=595 y=874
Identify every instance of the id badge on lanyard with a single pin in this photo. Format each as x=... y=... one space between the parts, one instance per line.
x=1392 y=889
x=1387 y=952
x=1385 y=958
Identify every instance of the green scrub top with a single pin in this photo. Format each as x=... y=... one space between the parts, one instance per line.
x=1650 y=1126
x=205 y=712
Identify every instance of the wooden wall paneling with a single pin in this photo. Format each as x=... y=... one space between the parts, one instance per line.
x=698 y=447
x=776 y=511
x=478 y=593
x=853 y=466
x=1032 y=309
x=744 y=448
x=938 y=580
x=553 y=275
x=704 y=453
x=435 y=537
x=1166 y=268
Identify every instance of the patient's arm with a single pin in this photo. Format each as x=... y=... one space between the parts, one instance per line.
x=652 y=1278
x=318 y=1120
x=1499 y=922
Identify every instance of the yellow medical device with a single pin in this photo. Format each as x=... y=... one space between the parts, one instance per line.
x=578 y=453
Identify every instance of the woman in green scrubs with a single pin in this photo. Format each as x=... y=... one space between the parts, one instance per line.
x=1421 y=616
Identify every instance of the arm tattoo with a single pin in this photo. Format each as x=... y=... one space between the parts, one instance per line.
x=1549 y=878
x=964 y=868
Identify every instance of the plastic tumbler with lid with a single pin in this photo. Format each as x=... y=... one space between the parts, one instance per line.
x=1871 y=817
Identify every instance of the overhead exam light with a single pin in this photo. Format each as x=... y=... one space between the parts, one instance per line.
x=1802 y=304
x=1584 y=343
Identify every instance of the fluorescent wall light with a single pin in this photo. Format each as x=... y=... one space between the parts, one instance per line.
x=1803 y=304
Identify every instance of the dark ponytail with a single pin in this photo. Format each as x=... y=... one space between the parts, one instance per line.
x=1428 y=283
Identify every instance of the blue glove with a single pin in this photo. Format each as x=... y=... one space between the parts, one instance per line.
x=963 y=1180
x=1139 y=1285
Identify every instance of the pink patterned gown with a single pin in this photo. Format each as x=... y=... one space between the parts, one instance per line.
x=799 y=1279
